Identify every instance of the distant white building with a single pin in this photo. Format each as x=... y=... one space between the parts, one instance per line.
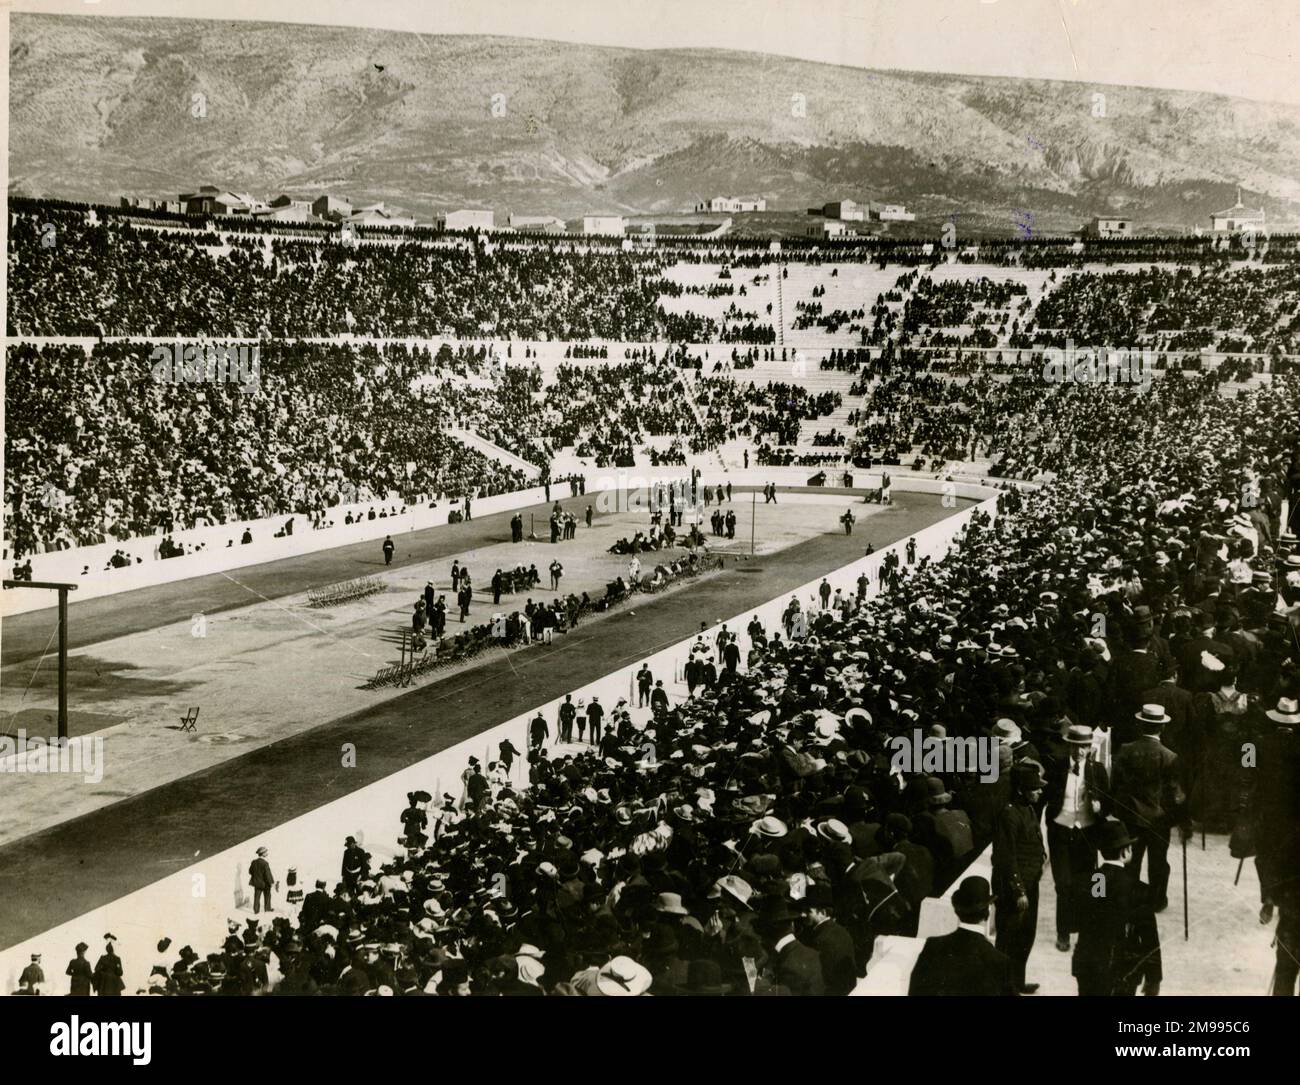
x=731 y=204
x=1238 y=217
x=467 y=220
x=831 y=228
x=891 y=212
x=598 y=225
x=537 y=224
x=1108 y=227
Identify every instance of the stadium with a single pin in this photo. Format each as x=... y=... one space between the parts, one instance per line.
x=448 y=608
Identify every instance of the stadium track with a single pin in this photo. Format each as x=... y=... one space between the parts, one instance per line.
x=89 y=861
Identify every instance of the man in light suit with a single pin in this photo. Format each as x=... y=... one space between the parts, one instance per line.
x=964 y=962
x=1078 y=798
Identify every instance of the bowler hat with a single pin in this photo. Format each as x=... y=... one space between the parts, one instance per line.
x=973 y=893
x=1112 y=835
x=1027 y=776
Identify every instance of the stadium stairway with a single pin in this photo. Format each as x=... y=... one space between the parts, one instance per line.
x=470 y=439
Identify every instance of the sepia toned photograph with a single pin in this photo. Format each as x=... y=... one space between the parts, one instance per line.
x=758 y=498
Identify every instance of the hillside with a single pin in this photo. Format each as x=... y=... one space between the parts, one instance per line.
x=104 y=106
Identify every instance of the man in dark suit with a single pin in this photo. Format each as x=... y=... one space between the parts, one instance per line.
x=261 y=879
x=834 y=944
x=315 y=908
x=1134 y=671
x=1182 y=733
x=964 y=962
x=659 y=697
x=1185 y=732
x=1119 y=942
x=1017 y=867
x=1274 y=812
x=1149 y=796
x=798 y=968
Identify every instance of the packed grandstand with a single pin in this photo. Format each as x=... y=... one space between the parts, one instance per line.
x=1138 y=553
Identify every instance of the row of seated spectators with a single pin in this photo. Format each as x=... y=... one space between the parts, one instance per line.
x=111 y=278
x=1173 y=309
x=1024 y=422
x=96 y=447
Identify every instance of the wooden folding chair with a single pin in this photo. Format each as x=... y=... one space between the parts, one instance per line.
x=190 y=719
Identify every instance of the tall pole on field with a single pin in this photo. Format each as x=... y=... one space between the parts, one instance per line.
x=753 y=515
x=63 y=590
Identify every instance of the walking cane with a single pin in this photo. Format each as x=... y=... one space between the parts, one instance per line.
x=1241 y=863
x=1185 y=934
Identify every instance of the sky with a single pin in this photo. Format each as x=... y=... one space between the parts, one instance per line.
x=1249 y=48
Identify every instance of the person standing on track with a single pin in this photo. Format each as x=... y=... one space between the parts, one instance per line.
x=538 y=732
x=644 y=683
x=261 y=879
x=567 y=715
x=388 y=549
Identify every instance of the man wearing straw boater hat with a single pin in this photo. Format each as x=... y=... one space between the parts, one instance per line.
x=1275 y=818
x=1149 y=797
